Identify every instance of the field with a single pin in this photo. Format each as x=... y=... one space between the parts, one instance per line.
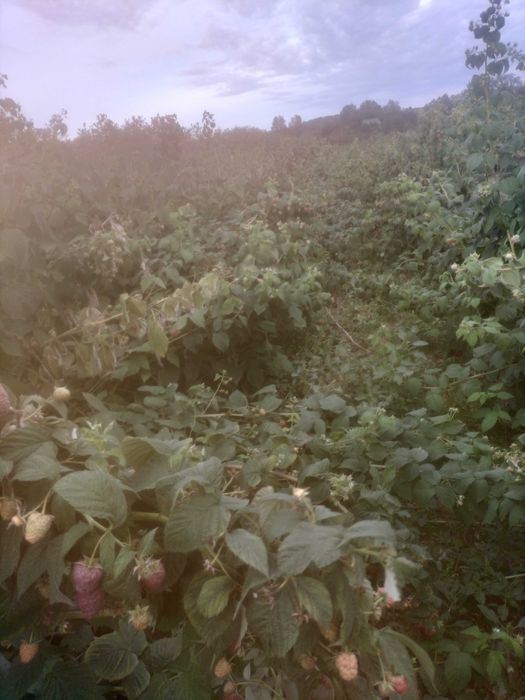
x=263 y=407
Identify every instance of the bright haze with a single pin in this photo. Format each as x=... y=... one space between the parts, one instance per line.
x=243 y=60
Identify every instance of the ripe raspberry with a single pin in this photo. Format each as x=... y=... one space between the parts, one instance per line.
x=347 y=666
x=8 y=508
x=87 y=577
x=37 y=527
x=5 y=403
x=61 y=393
x=90 y=604
x=307 y=662
x=27 y=651
x=152 y=574
x=399 y=684
x=222 y=668
x=140 y=618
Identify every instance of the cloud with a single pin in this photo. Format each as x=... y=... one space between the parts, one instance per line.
x=241 y=59
x=117 y=13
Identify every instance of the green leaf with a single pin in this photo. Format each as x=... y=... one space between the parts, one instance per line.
x=69 y=680
x=158 y=339
x=249 y=548
x=427 y=666
x=109 y=659
x=489 y=421
x=494 y=664
x=137 y=681
x=314 y=597
x=309 y=544
x=94 y=493
x=10 y=541
x=474 y=161
x=122 y=561
x=397 y=660
x=163 y=652
x=214 y=596
x=189 y=683
x=32 y=566
x=273 y=621
x=210 y=630
x=21 y=443
x=373 y=529
x=139 y=450
x=221 y=341
x=195 y=522
x=41 y=464
x=509 y=185
x=5 y=468
x=458 y=670
x=333 y=403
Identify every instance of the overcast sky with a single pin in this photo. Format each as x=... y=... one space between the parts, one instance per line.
x=243 y=60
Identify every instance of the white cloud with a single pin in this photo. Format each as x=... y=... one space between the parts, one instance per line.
x=241 y=59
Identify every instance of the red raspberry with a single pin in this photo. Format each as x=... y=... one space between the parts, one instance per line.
x=152 y=574
x=399 y=684
x=90 y=604
x=27 y=651
x=87 y=577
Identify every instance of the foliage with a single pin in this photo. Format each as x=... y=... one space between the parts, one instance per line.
x=290 y=452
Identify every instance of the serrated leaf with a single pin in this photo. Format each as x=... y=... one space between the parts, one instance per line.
x=94 y=493
x=158 y=339
x=333 y=403
x=249 y=548
x=24 y=441
x=31 y=567
x=314 y=597
x=69 y=680
x=189 y=683
x=132 y=639
x=373 y=529
x=221 y=341
x=41 y=464
x=427 y=666
x=137 y=681
x=214 y=596
x=122 y=561
x=209 y=630
x=458 y=670
x=273 y=621
x=195 y=522
x=5 y=468
x=163 y=652
x=309 y=544
x=139 y=450
x=10 y=541
x=397 y=659
x=109 y=659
